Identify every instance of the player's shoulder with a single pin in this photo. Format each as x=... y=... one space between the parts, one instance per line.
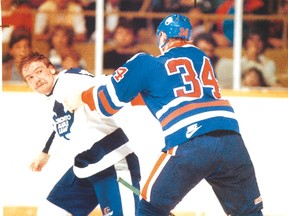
x=188 y=50
x=73 y=76
x=194 y=49
x=141 y=58
x=77 y=71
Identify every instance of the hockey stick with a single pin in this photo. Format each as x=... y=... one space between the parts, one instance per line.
x=133 y=189
x=129 y=186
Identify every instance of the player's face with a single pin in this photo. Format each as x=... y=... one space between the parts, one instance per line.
x=39 y=77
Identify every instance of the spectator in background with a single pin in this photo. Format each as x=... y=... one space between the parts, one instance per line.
x=61 y=43
x=20 y=44
x=60 y=12
x=71 y=59
x=253 y=77
x=276 y=27
x=35 y=4
x=124 y=46
x=112 y=7
x=223 y=36
x=134 y=6
x=223 y=31
x=257 y=7
x=111 y=20
x=255 y=44
x=15 y=14
x=215 y=4
x=223 y=66
x=89 y=7
x=196 y=21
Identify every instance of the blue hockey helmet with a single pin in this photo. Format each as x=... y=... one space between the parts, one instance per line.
x=175 y=26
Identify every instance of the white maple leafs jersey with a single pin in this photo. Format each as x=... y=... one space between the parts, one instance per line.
x=83 y=127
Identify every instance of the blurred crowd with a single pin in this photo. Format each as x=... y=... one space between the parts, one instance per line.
x=63 y=23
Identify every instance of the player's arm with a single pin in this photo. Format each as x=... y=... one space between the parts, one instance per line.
x=41 y=160
x=119 y=89
x=127 y=84
x=76 y=81
x=88 y=97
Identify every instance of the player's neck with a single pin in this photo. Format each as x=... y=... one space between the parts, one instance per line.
x=176 y=43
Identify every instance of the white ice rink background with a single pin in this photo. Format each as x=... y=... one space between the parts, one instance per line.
x=25 y=127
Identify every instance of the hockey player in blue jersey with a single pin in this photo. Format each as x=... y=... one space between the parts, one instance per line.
x=101 y=147
x=202 y=138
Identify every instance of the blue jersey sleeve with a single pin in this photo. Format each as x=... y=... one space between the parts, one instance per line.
x=125 y=84
x=131 y=78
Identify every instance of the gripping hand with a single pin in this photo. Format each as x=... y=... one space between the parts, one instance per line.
x=73 y=101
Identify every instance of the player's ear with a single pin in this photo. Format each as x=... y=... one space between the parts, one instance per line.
x=162 y=38
x=52 y=69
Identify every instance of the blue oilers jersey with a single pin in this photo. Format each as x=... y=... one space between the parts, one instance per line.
x=179 y=88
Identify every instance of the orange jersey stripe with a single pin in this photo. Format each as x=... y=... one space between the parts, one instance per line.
x=189 y=107
x=106 y=104
x=138 y=100
x=87 y=97
x=155 y=168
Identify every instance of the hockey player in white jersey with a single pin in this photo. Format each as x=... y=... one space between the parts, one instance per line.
x=102 y=152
